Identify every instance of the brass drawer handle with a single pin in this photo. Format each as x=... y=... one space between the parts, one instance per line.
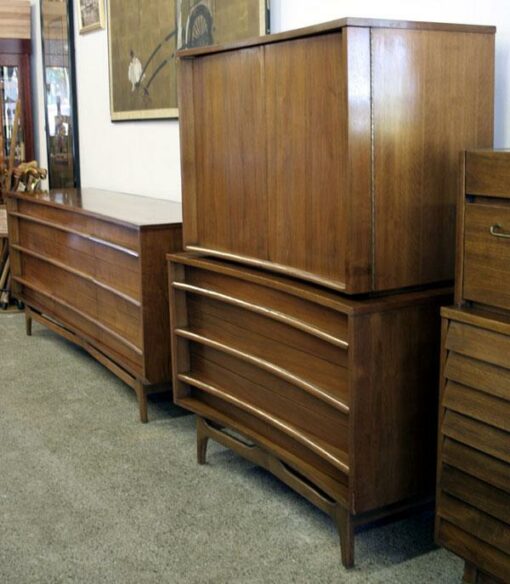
x=495 y=231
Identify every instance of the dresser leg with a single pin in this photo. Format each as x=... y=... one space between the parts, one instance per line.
x=202 y=440
x=142 y=401
x=346 y=532
x=28 y=322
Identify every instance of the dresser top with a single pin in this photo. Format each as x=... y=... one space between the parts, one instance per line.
x=119 y=207
x=336 y=25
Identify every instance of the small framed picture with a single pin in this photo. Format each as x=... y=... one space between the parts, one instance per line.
x=91 y=15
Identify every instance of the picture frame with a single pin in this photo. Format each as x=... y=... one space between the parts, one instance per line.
x=90 y=15
x=143 y=42
x=142 y=46
x=205 y=22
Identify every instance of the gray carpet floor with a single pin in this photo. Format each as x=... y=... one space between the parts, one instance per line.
x=88 y=494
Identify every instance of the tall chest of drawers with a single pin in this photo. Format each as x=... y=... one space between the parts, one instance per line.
x=320 y=172
x=90 y=265
x=473 y=494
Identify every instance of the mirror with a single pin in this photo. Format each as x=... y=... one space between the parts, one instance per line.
x=61 y=119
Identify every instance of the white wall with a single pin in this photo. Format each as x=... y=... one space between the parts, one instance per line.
x=143 y=157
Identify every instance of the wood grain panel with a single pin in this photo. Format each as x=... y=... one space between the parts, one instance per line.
x=488 y=469
x=330 y=378
x=109 y=266
x=229 y=121
x=477 y=405
x=291 y=405
x=488 y=173
x=105 y=342
x=477 y=435
x=155 y=310
x=432 y=97
x=246 y=423
x=274 y=332
x=476 y=493
x=107 y=231
x=486 y=256
x=393 y=372
x=479 y=375
x=307 y=143
x=472 y=520
x=327 y=320
x=479 y=343
x=486 y=557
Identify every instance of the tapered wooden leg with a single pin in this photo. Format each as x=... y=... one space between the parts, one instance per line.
x=202 y=440
x=346 y=532
x=142 y=401
x=28 y=322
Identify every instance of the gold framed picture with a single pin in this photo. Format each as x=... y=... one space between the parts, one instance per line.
x=143 y=38
x=91 y=15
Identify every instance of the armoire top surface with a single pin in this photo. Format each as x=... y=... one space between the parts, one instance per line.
x=335 y=25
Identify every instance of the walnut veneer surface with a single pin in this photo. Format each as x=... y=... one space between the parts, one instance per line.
x=332 y=153
x=91 y=265
x=473 y=492
x=337 y=395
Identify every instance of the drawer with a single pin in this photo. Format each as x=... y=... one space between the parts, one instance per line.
x=109 y=266
x=314 y=318
x=119 y=350
x=272 y=345
x=105 y=231
x=323 y=427
x=487 y=253
x=120 y=316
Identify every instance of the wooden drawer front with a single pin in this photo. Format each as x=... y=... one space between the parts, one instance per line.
x=107 y=265
x=487 y=255
x=271 y=437
x=273 y=398
x=88 y=226
x=116 y=348
x=473 y=507
x=476 y=536
x=120 y=316
x=313 y=318
x=275 y=365
x=305 y=358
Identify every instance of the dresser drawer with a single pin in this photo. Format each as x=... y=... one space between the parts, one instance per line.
x=106 y=231
x=487 y=253
x=473 y=499
x=111 y=266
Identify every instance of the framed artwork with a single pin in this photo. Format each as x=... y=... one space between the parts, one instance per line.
x=144 y=37
x=141 y=38
x=207 y=22
x=91 y=15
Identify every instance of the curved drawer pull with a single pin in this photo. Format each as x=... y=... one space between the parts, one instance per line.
x=495 y=230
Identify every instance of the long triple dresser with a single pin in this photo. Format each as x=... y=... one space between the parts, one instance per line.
x=90 y=265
